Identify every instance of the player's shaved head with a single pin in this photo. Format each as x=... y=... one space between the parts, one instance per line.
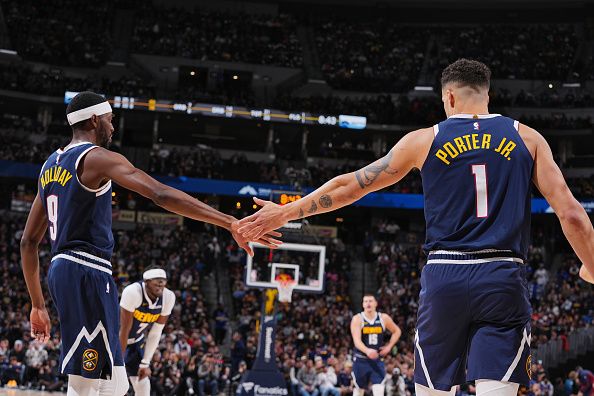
x=465 y=87
x=468 y=74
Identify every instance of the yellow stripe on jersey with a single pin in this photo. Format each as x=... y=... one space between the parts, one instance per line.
x=146 y=317
x=373 y=330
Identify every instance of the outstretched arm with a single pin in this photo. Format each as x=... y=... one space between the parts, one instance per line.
x=109 y=165
x=574 y=220
x=32 y=235
x=343 y=190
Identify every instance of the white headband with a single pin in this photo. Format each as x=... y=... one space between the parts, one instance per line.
x=88 y=112
x=154 y=274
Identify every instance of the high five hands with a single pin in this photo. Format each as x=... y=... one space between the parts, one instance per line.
x=267 y=239
x=261 y=225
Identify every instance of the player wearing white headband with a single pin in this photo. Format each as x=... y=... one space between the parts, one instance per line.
x=145 y=307
x=74 y=204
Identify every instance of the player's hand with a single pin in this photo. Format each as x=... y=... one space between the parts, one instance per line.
x=586 y=275
x=267 y=239
x=372 y=354
x=40 y=324
x=143 y=372
x=384 y=351
x=269 y=218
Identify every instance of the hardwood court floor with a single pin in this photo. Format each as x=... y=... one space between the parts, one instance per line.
x=17 y=392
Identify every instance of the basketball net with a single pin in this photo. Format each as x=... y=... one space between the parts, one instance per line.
x=285 y=285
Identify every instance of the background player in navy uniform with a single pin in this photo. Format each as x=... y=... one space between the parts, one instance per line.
x=477 y=168
x=368 y=329
x=74 y=201
x=145 y=307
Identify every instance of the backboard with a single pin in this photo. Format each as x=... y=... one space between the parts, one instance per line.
x=304 y=263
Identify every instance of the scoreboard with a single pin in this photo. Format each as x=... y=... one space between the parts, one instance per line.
x=282 y=197
x=226 y=111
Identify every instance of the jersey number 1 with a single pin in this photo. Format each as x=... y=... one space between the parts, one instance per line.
x=52 y=215
x=480 y=185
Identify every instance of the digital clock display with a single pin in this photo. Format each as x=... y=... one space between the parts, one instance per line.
x=285 y=197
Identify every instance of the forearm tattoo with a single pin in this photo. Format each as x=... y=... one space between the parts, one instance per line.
x=325 y=201
x=301 y=214
x=367 y=175
x=313 y=208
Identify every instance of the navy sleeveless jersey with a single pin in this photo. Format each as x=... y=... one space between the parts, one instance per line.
x=372 y=333
x=477 y=186
x=144 y=316
x=79 y=218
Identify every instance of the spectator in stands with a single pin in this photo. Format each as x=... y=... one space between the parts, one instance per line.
x=221 y=320
x=586 y=381
x=208 y=376
x=326 y=379
x=49 y=376
x=35 y=357
x=345 y=379
x=307 y=379
x=238 y=352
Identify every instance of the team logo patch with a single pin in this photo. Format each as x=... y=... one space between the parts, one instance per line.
x=90 y=358
x=529 y=366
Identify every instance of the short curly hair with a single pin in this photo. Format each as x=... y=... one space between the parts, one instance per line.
x=468 y=73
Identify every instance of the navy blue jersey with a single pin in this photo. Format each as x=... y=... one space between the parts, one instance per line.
x=477 y=186
x=372 y=333
x=79 y=218
x=145 y=315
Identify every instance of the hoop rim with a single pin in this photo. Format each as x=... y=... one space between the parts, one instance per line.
x=285 y=289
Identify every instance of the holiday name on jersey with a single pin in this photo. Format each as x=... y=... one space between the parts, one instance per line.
x=55 y=174
x=474 y=141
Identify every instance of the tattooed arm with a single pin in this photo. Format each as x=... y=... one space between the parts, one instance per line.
x=410 y=152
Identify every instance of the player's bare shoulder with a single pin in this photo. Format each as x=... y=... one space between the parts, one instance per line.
x=419 y=141
x=386 y=317
x=531 y=138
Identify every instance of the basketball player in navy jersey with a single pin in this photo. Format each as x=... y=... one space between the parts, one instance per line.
x=368 y=329
x=477 y=168
x=145 y=307
x=74 y=203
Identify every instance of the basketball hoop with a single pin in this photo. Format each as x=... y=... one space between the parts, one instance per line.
x=285 y=285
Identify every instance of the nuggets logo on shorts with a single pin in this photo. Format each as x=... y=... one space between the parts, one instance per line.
x=529 y=366
x=89 y=360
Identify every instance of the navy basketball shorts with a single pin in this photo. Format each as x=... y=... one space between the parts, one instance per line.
x=366 y=371
x=86 y=298
x=133 y=357
x=473 y=320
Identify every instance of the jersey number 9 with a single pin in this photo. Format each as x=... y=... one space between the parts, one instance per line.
x=52 y=215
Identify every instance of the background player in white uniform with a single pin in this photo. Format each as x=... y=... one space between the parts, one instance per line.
x=368 y=329
x=145 y=308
